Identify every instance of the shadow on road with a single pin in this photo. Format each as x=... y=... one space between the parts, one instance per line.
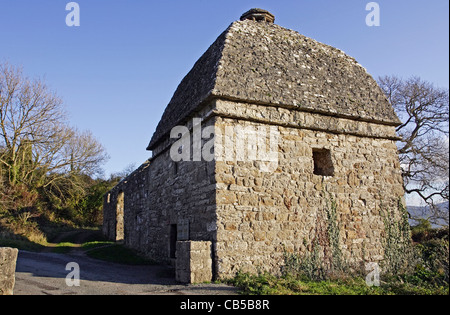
x=46 y=272
x=54 y=265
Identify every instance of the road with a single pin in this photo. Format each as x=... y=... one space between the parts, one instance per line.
x=45 y=274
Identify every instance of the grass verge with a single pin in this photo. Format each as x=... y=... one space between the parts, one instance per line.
x=94 y=246
x=116 y=253
x=267 y=284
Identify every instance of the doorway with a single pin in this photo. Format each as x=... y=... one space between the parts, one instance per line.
x=173 y=241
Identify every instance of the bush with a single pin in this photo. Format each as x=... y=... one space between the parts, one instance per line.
x=433 y=258
x=423 y=232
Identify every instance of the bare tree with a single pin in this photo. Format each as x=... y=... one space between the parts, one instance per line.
x=423 y=150
x=37 y=147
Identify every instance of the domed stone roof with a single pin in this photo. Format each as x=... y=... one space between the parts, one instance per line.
x=256 y=61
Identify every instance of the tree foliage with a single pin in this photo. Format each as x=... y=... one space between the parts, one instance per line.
x=42 y=158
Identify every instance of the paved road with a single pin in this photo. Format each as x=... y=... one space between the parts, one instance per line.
x=45 y=274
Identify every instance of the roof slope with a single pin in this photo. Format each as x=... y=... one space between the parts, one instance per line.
x=264 y=63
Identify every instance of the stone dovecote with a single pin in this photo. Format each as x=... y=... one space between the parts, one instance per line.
x=332 y=161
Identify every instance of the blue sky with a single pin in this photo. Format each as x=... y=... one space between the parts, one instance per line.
x=120 y=68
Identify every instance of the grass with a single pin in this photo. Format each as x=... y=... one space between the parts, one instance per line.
x=116 y=253
x=95 y=247
x=45 y=233
x=22 y=245
x=267 y=284
x=64 y=247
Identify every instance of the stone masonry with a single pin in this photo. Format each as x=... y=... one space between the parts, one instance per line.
x=193 y=262
x=330 y=133
x=8 y=258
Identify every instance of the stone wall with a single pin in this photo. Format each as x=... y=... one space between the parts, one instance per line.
x=262 y=215
x=8 y=258
x=165 y=202
x=194 y=262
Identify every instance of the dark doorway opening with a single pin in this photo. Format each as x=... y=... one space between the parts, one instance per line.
x=173 y=241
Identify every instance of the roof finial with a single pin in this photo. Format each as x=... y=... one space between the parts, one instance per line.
x=258 y=15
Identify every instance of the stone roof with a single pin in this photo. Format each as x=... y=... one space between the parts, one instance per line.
x=263 y=63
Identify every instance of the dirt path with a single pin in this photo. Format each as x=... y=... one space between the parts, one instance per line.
x=77 y=238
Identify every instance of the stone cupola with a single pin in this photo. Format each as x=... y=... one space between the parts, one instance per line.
x=258 y=15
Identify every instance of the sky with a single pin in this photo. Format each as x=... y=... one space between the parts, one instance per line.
x=118 y=70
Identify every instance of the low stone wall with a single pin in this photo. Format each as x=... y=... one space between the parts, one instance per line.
x=193 y=262
x=8 y=258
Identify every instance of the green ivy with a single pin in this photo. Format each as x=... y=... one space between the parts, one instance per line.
x=398 y=250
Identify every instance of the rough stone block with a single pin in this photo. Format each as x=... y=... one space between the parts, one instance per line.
x=193 y=262
x=8 y=258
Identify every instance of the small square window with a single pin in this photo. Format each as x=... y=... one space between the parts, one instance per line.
x=323 y=165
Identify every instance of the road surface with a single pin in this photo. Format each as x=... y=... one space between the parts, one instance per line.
x=45 y=274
